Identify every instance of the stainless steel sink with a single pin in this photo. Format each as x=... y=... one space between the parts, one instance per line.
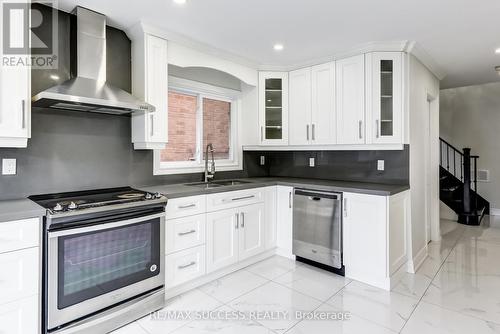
x=230 y=182
x=206 y=185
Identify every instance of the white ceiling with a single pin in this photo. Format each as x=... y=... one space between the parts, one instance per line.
x=460 y=35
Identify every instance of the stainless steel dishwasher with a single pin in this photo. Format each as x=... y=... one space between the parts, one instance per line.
x=317 y=226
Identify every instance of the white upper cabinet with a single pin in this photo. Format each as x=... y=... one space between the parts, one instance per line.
x=300 y=107
x=323 y=116
x=150 y=82
x=273 y=108
x=350 y=100
x=15 y=95
x=384 y=79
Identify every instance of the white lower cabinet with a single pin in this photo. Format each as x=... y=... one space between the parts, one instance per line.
x=374 y=236
x=222 y=239
x=184 y=266
x=270 y=216
x=234 y=235
x=284 y=204
x=20 y=317
x=19 y=276
x=183 y=233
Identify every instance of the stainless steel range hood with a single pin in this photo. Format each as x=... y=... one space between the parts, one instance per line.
x=89 y=90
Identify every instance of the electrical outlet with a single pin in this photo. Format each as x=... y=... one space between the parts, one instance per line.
x=262 y=160
x=380 y=164
x=311 y=162
x=8 y=166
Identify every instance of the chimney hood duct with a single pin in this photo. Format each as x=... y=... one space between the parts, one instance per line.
x=88 y=91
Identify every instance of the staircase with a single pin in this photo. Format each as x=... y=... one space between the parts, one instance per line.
x=458 y=184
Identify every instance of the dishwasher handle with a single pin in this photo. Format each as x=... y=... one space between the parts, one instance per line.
x=317 y=195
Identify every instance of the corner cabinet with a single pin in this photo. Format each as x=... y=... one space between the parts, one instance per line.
x=150 y=83
x=273 y=108
x=384 y=86
x=15 y=100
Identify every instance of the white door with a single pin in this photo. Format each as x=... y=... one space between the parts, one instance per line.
x=364 y=236
x=323 y=116
x=157 y=88
x=385 y=102
x=350 y=100
x=251 y=226
x=273 y=108
x=270 y=219
x=222 y=239
x=285 y=220
x=299 y=119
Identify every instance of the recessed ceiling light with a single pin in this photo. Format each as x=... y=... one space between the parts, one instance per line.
x=180 y=2
x=497 y=51
x=278 y=47
x=497 y=68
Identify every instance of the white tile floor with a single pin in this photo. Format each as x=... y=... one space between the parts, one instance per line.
x=456 y=290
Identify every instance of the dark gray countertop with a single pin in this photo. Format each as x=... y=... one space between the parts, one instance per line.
x=183 y=190
x=19 y=209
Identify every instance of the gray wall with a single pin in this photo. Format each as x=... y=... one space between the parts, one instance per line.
x=470 y=117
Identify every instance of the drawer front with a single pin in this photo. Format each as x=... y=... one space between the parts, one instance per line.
x=233 y=199
x=19 y=274
x=184 y=233
x=186 y=206
x=19 y=234
x=20 y=317
x=184 y=266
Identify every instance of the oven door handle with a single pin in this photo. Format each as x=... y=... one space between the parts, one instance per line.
x=104 y=226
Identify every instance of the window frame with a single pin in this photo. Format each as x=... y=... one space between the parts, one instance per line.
x=201 y=91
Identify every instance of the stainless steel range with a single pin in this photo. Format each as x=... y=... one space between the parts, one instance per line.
x=102 y=259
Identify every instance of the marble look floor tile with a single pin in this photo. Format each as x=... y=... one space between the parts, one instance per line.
x=276 y=298
x=313 y=282
x=484 y=232
x=233 y=285
x=193 y=300
x=388 y=309
x=132 y=328
x=437 y=254
x=353 y=325
x=431 y=319
x=273 y=267
x=225 y=320
x=412 y=285
x=474 y=257
x=475 y=295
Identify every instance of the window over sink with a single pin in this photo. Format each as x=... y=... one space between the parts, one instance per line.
x=199 y=114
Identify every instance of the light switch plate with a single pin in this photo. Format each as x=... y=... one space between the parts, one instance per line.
x=262 y=160
x=311 y=162
x=380 y=164
x=8 y=166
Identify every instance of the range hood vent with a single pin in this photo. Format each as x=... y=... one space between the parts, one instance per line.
x=88 y=91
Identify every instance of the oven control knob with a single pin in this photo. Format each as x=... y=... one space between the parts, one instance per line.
x=72 y=206
x=157 y=195
x=148 y=196
x=58 y=207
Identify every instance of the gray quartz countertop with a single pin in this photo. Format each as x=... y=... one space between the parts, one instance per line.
x=183 y=190
x=19 y=209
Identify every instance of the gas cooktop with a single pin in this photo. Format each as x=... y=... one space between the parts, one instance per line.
x=89 y=199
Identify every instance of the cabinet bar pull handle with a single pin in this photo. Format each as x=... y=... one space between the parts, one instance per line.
x=261 y=133
x=237 y=221
x=307 y=131
x=313 y=131
x=360 y=125
x=187 y=206
x=23 y=106
x=376 y=123
x=192 y=263
x=290 y=200
x=242 y=198
x=152 y=126
x=345 y=207
x=242 y=220
x=186 y=233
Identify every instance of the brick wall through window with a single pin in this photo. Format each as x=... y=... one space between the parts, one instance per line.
x=217 y=127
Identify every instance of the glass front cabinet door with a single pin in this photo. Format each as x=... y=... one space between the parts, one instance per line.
x=386 y=78
x=273 y=108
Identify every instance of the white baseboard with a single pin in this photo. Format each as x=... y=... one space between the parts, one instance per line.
x=494 y=212
x=417 y=260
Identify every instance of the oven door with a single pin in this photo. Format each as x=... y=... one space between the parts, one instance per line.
x=91 y=268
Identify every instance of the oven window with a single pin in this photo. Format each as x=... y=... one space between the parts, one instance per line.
x=95 y=263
